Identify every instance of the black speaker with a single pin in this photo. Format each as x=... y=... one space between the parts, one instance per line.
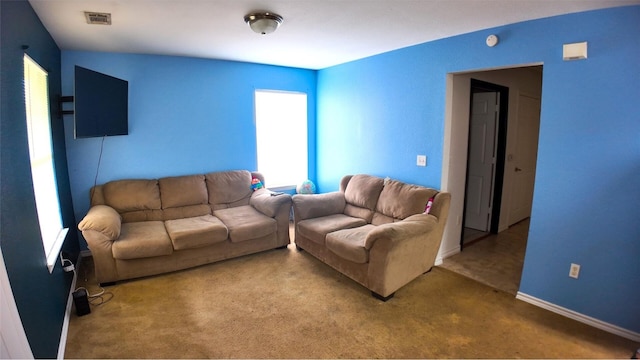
x=81 y=302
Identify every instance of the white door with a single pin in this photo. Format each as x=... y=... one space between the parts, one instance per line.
x=482 y=150
x=524 y=159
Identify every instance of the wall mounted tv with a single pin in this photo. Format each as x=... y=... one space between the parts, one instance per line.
x=101 y=104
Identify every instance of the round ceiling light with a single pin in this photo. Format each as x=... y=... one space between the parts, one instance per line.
x=263 y=23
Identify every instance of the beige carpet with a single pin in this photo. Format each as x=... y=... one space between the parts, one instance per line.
x=286 y=304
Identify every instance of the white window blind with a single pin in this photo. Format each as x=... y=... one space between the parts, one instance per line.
x=41 y=156
x=281 y=134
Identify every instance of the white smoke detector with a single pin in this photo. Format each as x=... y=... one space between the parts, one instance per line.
x=492 y=40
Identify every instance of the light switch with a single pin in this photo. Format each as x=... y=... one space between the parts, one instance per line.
x=422 y=160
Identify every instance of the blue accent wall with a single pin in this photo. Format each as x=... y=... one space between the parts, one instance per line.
x=186 y=116
x=41 y=298
x=376 y=114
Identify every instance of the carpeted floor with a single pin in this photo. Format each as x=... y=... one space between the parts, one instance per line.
x=286 y=304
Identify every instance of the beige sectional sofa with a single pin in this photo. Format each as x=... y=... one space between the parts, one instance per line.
x=373 y=230
x=143 y=227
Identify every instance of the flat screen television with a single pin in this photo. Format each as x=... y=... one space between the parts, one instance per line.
x=101 y=104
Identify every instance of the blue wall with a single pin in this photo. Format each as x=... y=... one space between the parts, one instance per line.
x=41 y=297
x=186 y=116
x=375 y=115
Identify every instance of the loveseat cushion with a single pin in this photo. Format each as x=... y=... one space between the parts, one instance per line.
x=246 y=223
x=361 y=195
x=349 y=244
x=142 y=239
x=228 y=188
x=398 y=201
x=194 y=232
x=316 y=229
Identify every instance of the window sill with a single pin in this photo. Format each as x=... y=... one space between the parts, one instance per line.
x=283 y=188
x=52 y=255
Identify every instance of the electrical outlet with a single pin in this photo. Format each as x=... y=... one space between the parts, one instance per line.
x=574 y=271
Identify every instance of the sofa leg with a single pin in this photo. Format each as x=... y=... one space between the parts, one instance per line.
x=282 y=247
x=299 y=248
x=109 y=283
x=380 y=297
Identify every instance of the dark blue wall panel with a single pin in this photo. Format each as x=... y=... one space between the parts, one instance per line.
x=41 y=297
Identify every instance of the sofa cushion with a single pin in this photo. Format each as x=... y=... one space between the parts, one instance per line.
x=141 y=240
x=228 y=188
x=399 y=200
x=132 y=195
x=185 y=212
x=183 y=191
x=316 y=229
x=361 y=195
x=246 y=223
x=349 y=244
x=194 y=232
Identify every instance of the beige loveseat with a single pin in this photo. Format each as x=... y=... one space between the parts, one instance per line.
x=144 y=227
x=373 y=230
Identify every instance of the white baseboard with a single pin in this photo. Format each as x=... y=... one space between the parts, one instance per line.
x=440 y=258
x=67 y=315
x=614 y=329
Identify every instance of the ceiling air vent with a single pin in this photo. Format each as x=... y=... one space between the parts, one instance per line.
x=98 y=18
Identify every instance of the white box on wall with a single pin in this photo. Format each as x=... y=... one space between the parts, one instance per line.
x=575 y=51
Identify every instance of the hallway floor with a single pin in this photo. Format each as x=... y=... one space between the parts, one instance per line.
x=495 y=260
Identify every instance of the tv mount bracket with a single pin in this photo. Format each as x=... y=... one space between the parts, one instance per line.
x=65 y=99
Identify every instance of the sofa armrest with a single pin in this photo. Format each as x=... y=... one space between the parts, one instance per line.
x=401 y=251
x=103 y=219
x=414 y=225
x=268 y=204
x=308 y=206
x=100 y=228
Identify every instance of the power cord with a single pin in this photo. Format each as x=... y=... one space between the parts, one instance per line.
x=95 y=179
x=103 y=296
x=67 y=267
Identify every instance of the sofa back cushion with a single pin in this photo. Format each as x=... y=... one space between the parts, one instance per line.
x=228 y=188
x=398 y=201
x=184 y=196
x=361 y=195
x=135 y=200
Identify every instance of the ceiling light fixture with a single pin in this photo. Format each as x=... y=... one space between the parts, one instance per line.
x=263 y=23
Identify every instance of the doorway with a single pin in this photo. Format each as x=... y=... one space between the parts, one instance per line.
x=509 y=199
x=486 y=147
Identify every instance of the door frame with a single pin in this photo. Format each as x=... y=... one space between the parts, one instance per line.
x=501 y=150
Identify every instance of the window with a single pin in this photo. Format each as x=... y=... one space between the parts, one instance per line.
x=36 y=95
x=281 y=134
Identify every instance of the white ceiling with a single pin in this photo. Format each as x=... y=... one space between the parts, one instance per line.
x=315 y=34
